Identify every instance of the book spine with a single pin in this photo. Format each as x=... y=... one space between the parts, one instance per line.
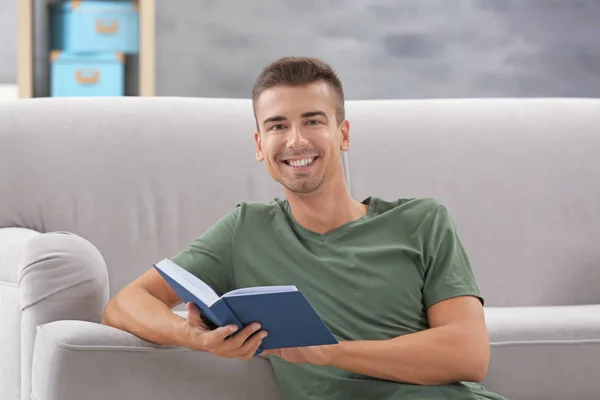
x=234 y=319
x=225 y=315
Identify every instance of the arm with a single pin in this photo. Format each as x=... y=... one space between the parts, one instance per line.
x=455 y=348
x=144 y=308
x=456 y=345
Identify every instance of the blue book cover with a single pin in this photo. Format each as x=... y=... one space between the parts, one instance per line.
x=283 y=311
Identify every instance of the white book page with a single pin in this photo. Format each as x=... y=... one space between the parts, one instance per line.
x=188 y=280
x=261 y=290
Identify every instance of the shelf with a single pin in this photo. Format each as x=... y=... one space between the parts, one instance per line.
x=146 y=72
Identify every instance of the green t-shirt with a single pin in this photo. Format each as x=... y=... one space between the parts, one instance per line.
x=371 y=279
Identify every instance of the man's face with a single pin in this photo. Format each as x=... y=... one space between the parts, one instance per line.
x=300 y=139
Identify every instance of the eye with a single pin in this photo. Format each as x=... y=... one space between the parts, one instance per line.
x=313 y=122
x=277 y=127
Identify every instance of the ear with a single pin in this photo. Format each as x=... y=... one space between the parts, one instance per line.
x=259 y=154
x=345 y=136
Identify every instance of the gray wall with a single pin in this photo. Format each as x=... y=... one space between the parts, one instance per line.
x=381 y=48
x=8 y=41
x=386 y=49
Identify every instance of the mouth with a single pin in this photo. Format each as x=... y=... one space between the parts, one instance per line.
x=302 y=163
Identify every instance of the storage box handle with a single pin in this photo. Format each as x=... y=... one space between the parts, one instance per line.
x=87 y=80
x=107 y=29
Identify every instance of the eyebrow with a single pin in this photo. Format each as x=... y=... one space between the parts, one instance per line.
x=279 y=118
x=314 y=114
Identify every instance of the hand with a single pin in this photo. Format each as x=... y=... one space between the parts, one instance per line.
x=317 y=355
x=199 y=337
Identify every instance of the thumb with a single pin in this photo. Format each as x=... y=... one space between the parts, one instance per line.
x=193 y=316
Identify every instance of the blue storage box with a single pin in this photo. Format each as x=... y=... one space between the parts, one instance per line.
x=78 y=75
x=94 y=26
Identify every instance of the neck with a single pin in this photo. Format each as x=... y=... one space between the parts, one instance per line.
x=327 y=209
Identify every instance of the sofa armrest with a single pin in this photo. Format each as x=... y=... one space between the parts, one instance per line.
x=544 y=353
x=62 y=276
x=12 y=243
x=75 y=360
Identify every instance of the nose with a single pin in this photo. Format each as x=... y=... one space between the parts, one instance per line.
x=296 y=138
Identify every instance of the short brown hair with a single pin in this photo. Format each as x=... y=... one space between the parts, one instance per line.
x=299 y=71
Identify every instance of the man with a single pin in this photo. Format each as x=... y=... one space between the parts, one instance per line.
x=390 y=278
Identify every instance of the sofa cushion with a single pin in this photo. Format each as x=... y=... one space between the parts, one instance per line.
x=544 y=353
x=77 y=359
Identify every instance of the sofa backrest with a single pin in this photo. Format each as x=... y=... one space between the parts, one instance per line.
x=141 y=178
x=520 y=177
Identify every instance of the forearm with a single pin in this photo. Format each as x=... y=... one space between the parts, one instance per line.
x=137 y=311
x=431 y=357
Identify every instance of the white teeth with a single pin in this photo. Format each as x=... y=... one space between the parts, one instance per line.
x=301 y=163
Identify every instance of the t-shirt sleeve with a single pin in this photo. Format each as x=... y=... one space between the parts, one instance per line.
x=210 y=256
x=448 y=271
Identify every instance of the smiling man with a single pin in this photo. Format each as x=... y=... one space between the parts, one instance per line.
x=390 y=277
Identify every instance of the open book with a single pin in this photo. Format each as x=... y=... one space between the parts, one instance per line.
x=282 y=311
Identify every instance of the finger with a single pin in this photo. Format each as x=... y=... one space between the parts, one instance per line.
x=252 y=353
x=251 y=345
x=250 y=348
x=230 y=350
x=221 y=334
x=214 y=340
x=240 y=338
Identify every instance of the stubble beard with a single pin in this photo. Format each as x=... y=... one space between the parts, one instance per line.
x=304 y=185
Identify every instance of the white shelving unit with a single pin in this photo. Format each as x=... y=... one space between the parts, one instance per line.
x=146 y=74
x=8 y=92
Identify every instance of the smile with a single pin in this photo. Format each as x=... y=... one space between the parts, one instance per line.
x=304 y=162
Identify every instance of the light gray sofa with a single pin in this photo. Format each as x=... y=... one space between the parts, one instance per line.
x=93 y=191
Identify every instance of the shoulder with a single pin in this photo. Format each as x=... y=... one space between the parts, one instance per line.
x=409 y=208
x=260 y=212
x=420 y=216
x=245 y=210
x=260 y=207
